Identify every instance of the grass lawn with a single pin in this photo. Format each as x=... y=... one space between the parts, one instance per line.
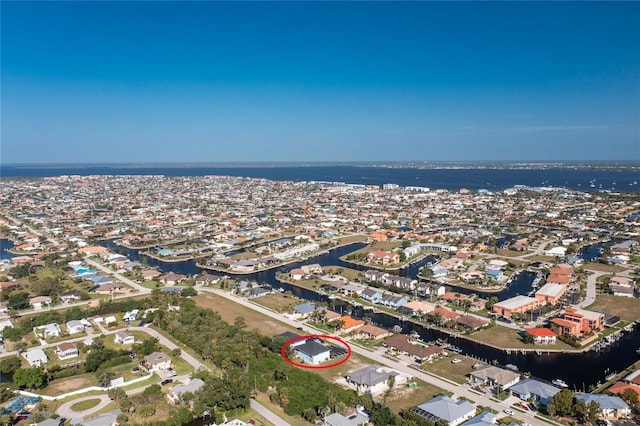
x=601 y=267
x=445 y=368
x=86 y=404
x=229 y=311
x=151 y=284
x=511 y=253
x=278 y=302
x=348 y=273
x=541 y=258
x=351 y=239
x=505 y=337
x=404 y=397
x=627 y=308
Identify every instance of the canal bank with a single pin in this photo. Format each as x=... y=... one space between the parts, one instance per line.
x=578 y=370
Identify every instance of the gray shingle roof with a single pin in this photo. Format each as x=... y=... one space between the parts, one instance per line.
x=312 y=348
x=535 y=387
x=368 y=376
x=605 y=401
x=445 y=408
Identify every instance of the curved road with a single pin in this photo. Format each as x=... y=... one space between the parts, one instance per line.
x=65 y=409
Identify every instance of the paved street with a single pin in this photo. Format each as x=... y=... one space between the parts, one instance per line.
x=458 y=390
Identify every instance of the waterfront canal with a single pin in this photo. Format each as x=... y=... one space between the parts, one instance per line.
x=579 y=370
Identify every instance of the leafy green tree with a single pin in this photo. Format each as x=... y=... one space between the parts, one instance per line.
x=10 y=365
x=593 y=412
x=630 y=396
x=188 y=292
x=154 y=389
x=33 y=378
x=146 y=347
x=18 y=301
x=492 y=301
x=562 y=403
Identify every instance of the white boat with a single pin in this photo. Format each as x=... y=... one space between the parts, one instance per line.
x=560 y=382
x=512 y=367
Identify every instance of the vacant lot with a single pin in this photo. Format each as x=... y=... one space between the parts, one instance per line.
x=626 y=308
x=351 y=239
x=68 y=384
x=404 y=397
x=278 y=302
x=601 y=267
x=445 y=368
x=348 y=273
x=229 y=310
x=508 y=338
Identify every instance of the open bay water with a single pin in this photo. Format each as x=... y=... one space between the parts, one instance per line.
x=492 y=179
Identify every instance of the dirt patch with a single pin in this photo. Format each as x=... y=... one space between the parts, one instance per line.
x=278 y=302
x=69 y=384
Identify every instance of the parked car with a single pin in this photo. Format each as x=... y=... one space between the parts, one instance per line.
x=456 y=360
x=166 y=382
x=508 y=412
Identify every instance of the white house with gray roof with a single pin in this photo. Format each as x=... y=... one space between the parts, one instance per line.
x=446 y=409
x=176 y=393
x=534 y=389
x=36 y=357
x=483 y=419
x=612 y=407
x=372 y=379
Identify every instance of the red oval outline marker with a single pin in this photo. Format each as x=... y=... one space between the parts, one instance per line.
x=312 y=336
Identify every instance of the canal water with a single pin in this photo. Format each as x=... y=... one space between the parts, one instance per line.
x=578 y=370
x=5 y=246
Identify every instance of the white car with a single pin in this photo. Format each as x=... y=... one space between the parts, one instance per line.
x=456 y=360
x=508 y=412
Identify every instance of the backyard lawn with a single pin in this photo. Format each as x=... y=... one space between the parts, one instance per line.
x=409 y=397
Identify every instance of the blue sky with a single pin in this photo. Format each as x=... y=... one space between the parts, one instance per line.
x=326 y=81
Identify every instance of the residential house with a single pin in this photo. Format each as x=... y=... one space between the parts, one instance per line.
x=532 y=389
x=402 y=344
x=372 y=275
x=472 y=322
x=40 y=302
x=207 y=279
x=352 y=289
x=576 y=321
x=402 y=283
x=305 y=309
x=443 y=408
x=36 y=357
x=438 y=271
x=371 y=380
x=622 y=286
x=110 y=418
x=67 y=350
x=382 y=257
x=369 y=331
x=371 y=294
x=311 y=352
x=175 y=395
x=392 y=300
x=431 y=289
x=47 y=331
x=494 y=376
x=416 y=308
x=612 y=407
x=124 y=337
x=156 y=361
x=75 y=327
x=349 y=324
x=296 y=274
x=172 y=278
x=356 y=418
x=542 y=335
x=313 y=268
x=485 y=418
